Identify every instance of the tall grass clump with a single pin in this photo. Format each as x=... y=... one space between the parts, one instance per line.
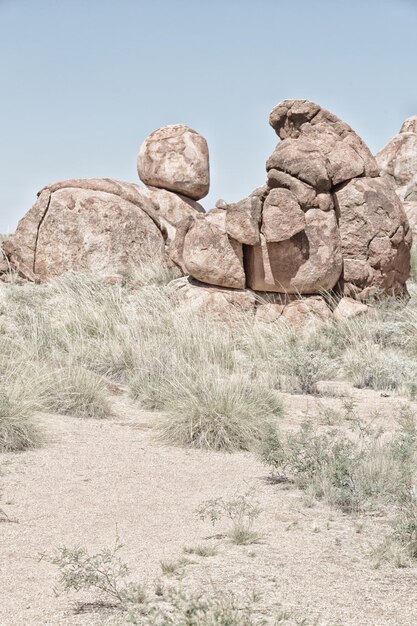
x=288 y=359
x=373 y=367
x=19 y=401
x=211 y=410
x=74 y=390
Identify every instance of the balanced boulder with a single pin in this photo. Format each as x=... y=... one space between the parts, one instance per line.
x=176 y=158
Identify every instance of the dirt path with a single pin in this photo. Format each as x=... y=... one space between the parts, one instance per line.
x=93 y=479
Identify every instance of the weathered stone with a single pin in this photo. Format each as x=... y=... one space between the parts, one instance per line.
x=176 y=246
x=168 y=207
x=375 y=238
x=224 y=303
x=243 y=219
x=217 y=217
x=302 y=159
x=307 y=312
x=212 y=257
x=92 y=231
x=282 y=217
x=348 y=308
x=304 y=119
x=305 y=194
x=97 y=225
x=268 y=313
x=175 y=158
x=260 y=192
x=398 y=163
x=309 y=262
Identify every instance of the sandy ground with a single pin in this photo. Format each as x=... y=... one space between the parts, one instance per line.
x=93 y=479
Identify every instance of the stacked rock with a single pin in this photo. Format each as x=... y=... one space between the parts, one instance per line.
x=325 y=220
x=398 y=163
x=109 y=227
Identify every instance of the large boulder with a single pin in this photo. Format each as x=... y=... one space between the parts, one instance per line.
x=211 y=256
x=375 y=237
x=219 y=301
x=343 y=154
x=308 y=262
x=103 y=226
x=175 y=158
x=398 y=163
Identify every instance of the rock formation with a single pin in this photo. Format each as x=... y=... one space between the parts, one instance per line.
x=107 y=226
x=398 y=163
x=325 y=221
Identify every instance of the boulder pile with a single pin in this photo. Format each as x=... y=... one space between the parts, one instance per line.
x=324 y=221
x=398 y=163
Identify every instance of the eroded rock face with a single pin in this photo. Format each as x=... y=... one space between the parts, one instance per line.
x=398 y=163
x=375 y=237
x=221 y=302
x=308 y=262
x=345 y=154
x=211 y=256
x=96 y=225
x=324 y=221
x=175 y=158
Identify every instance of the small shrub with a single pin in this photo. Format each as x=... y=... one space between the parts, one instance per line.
x=241 y=513
x=181 y=608
x=304 y=367
x=171 y=568
x=103 y=572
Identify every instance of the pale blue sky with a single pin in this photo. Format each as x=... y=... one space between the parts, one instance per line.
x=83 y=82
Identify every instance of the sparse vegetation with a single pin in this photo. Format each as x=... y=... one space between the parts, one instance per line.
x=240 y=511
x=173 y=568
x=358 y=471
x=201 y=550
x=217 y=384
x=104 y=573
x=354 y=470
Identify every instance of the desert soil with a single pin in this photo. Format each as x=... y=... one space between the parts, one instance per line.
x=95 y=479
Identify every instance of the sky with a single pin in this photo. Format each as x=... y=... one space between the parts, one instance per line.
x=83 y=82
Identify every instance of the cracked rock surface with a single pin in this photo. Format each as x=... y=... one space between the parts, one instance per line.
x=398 y=163
x=325 y=220
x=103 y=226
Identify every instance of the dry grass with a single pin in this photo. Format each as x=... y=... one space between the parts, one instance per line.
x=218 y=384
